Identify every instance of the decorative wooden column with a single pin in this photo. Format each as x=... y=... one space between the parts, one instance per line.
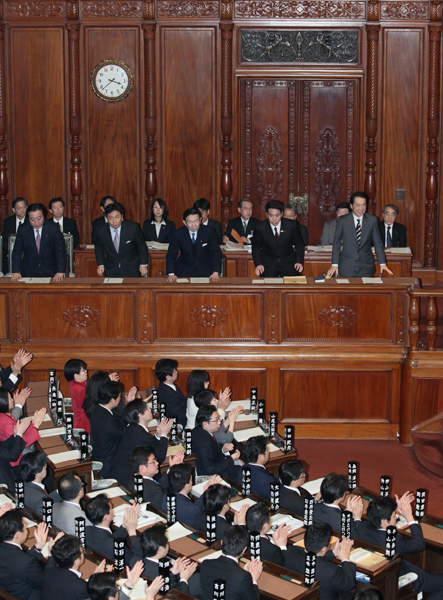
x=3 y=139
x=150 y=115
x=75 y=119
x=373 y=32
x=433 y=130
x=226 y=120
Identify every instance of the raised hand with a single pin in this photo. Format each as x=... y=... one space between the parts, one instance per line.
x=177 y=459
x=4 y=509
x=280 y=535
x=225 y=398
x=101 y=567
x=114 y=376
x=21 y=426
x=344 y=548
x=165 y=426
x=130 y=396
x=41 y=535
x=404 y=505
x=214 y=479
x=240 y=515
x=53 y=540
x=130 y=519
x=21 y=396
x=39 y=417
x=134 y=574
x=21 y=359
x=255 y=568
x=180 y=564
x=152 y=590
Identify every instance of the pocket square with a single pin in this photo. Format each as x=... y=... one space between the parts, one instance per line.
x=129 y=241
x=203 y=245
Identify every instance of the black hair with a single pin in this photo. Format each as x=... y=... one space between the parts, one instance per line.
x=31 y=464
x=139 y=456
x=202 y=204
x=254 y=447
x=235 y=540
x=66 y=550
x=51 y=202
x=257 y=516
x=133 y=410
x=393 y=206
x=162 y=205
x=274 y=205
x=196 y=382
x=164 y=367
x=69 y=485
x=102 y=586
x=363 y=195
x=290 y=470
x=103 y=200
x=189 y=212
x=115 y=206
x=290 y=207
x=97 y=508
x=343 y=205
x=152 y=539
x=109 y=391
x=4 y=400
x=178 y=477
x=10 y=523
x=73 y=367
x=368 y=594
x=37 y=206
x=379 y=509
x=95 y=382
x=317 y=537
x=215 y=497
x=204 y=414
x=333 y=487
x=19 y=199
x=204 y=398
x=240 y=204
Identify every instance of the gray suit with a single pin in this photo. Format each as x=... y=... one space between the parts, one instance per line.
x=64 y=515
x=34 y=495
x=328 y=234
x=354 y=261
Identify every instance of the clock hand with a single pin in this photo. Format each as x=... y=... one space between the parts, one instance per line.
x=110 y=81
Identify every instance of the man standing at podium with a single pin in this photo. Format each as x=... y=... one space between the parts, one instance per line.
x=355 y=234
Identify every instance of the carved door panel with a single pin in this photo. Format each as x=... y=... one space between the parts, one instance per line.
x=300 y=137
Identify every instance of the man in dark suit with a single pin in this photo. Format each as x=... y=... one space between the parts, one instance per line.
x=100 y=221
x=392 y=233
x=144 y=463
x=11 y=376
x=292 y=476
x=355 y=234
x=333 y=491
x=180 y=484
x=289 y=213
x=335 y=581
x=65 y=579
x=215 y=502
x=244 y=225
x=241 y=584
x=100 y=538
x=257 y=455
x=204 y=208
x=120 y=248
x=39 y=249
x=21 y=573
x=106 y=427
x=328 y=233
x=57 y=210
x=33 y=470
x=11 y=225
x=258 y=520
x=277 y=245
x=200 y=254
x=169 y=393
x=209 y=458
x=381 y=513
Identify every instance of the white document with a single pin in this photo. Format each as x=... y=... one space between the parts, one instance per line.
x=342 y=281
x=89 y=246
x=273 y=448
x=52 y=431
x=113 y=280
x=146 y=516
x=4 y=500
x=237 y=505
x=247 y=417
x=38 y=280
x=199 y=279
x=197 y=490
x=157 y=246
x=177 y=531
x=245 y=434
x=246 y=404
x=313 y=487
x=110 y=492
x=138 y=591
x=398 y=251
x=273 y=280
x=182 y=280
x=277 y=520
x=372 y=280
x=211 y=556
x=64 y=456
x=258 y=281
x=47 y=418
x=29 y=523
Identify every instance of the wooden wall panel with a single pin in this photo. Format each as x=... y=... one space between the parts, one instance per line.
x=113 y=129
x=428 y=399
x=402 y=159
x=4 y=323
x=37 y=108
x=189 y=111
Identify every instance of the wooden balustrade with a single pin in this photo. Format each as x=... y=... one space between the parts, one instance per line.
x=431 y=318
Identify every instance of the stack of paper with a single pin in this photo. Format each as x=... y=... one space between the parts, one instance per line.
x=292 y=522
x=146 y=517
x=237 y=505
x=177 y=531
x=64 y=456
x=211 y=556
x=313 y=487
x=112 y=492
x=4 y=500
x=245 y=434
x=197 y=490
x=52 y=431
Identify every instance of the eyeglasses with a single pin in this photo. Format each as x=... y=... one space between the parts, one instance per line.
x=152 y=462
x=215 y=420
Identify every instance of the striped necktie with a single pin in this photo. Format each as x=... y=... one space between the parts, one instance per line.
x=389 y=238
x=358 y=232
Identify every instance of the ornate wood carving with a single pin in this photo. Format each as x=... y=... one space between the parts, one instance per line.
x=433 y=147
x=273 y=309
x=75 y=126
x=431 y=317
x=338 y=316
x=208 y=316
x=371 y=114
x=400 y=303
x=226 y=121
x=226 y=10
x=189 y=8
x=18 y=317
x=436 y=10
x=4 y=185
x=327 y=170
x=414 y=322
x=269 y=167
x=373 y=10
x=144 y=304
x=112 y=8
x=307 y=9
x=81 y=316
x=148 y=10
x=299 y=46
x=43 y=10
x=150 y=117
x=397 y=11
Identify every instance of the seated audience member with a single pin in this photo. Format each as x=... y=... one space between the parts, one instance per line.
x=289 y=213
x=335 y=580
x=169 y=393
x=97 y=223
x=258 y=520
x=106 y=428
x=241 y=583
x=381 y=513
x=11 y=376
x=180 y=484
x=368 y=594
x=103 y=586
x=57 y=210
x=204 y=208
x=198 y=380
x=244 y=225
x=256 y=454
x=33 y=470
x=225 y=433
x=21 y=573
x=210 y=459
x=99 y=536
x=392 y=233
x=10 y=450
x=292 y=476
x=155 y=546
x=76 y=372
x=138 y=415
x=93 y=384
x=71 y=490
x=7 y=421
x=333 y=492
x=144 y=463
x=158 y=228
x=10 y=227
x=328 y=234
x=215 y=502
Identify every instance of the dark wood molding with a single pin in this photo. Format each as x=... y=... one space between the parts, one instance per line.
x=150 y=117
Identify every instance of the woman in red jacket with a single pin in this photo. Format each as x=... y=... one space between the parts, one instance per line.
x=76 y=372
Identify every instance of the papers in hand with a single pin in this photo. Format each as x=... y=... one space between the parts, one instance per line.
x=313 y=487
x=113 y=492
x=177 y=531
x=64 y=456
x=245 y=434
x=237 y=505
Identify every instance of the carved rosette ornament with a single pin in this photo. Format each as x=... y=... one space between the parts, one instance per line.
x=327 y=170
x=397 y=11
x=192 y=8
x=42 y=10
x=269 y=166
x=81 y=316
x=208 y=316
x=112 y=8
x=308 y=9
x=337 y=316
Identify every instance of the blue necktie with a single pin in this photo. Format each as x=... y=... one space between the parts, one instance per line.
x=193 y=238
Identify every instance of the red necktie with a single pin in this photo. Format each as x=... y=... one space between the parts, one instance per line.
x=276 y=233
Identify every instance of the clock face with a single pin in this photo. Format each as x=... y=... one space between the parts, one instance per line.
x=112 y=80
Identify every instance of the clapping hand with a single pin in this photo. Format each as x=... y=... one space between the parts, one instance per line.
x=177 y=459
x=152 y=590
x=21 y=359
